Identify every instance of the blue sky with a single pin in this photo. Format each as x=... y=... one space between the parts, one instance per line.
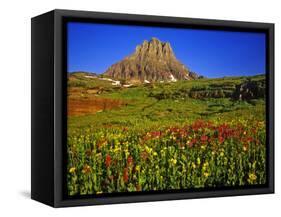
x=94 y=47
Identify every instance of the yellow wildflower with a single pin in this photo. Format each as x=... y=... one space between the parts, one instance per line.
x=72 y=169
x=148 y=150
x=252 y=177
x=205 y=165
x=137 y=168
x=198 y=161
x=193 y=165
x=173 y=161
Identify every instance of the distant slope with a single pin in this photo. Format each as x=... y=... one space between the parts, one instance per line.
x=82 y=73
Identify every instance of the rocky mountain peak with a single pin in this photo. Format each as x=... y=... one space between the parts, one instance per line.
x=152 y=60
x=154 y=48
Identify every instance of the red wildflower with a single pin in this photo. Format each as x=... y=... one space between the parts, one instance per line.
x=249 y=139
x=146 y=137
x=125 y=175
x=107 y=160
x=204 y=138
x=130 y=160
x=221 y=139
x=183 y=133
x=200 y=124
x=192 y=142
x=155 y=134
x=173 y=129
x=254 y=130
x=210 y=125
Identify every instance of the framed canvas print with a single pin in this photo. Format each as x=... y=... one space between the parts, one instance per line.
x=133 y=108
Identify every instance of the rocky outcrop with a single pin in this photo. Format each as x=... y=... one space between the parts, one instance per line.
x=152 y=61
x=250 y=90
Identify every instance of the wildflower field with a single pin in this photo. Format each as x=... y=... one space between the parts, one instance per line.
x=164 y=137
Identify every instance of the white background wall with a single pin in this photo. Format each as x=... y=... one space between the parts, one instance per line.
x=15 y=106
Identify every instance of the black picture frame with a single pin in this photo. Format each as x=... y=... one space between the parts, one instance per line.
x=49 y=85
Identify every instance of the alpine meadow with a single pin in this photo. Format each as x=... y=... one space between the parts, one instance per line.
x=147 y=121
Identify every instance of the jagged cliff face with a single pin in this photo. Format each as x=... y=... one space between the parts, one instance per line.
x=152 y=61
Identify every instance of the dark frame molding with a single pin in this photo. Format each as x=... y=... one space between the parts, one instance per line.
x=57 y=90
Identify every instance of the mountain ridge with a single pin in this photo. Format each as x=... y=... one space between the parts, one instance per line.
x=152 y=61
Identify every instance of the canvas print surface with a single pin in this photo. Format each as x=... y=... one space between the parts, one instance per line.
x=154 y=109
